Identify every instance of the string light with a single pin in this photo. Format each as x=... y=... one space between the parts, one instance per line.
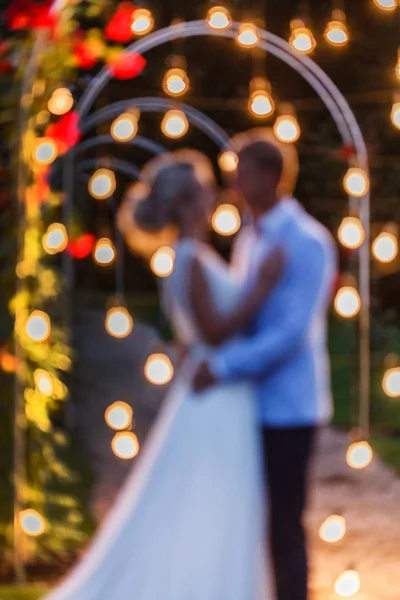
x=119 y=415
x=143 y=21
x=104 y=252
x=162 y=261
x=247 y=35
x=336 y=31
x=158 y=369
x=228 y=161
x=395 y=114
x=301 y=38
x=386 y=4
x=102 y=184
x=385 y=247
x=226 y=220
x=359 y=455
x=347 y=302
x=391 y=383
x=351 y=233
x=119 y=322
x=43 y=382
x=348 y=584
x=286 y=127
x=176 y=82
x=55 y=239
x=356 y=182
x=125 y=445
x=175 y=124
x=61 y=101
x=38 y=326
x=333 y=529
x=31 y=522
x=44 y=151
x=218 y=18
x=125 y=127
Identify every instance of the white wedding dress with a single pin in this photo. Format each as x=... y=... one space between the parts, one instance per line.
x=188 y=524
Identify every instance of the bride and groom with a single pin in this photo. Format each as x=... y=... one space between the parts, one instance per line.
x=213 y=508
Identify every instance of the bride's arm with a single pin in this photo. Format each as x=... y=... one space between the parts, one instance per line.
x=216 y=327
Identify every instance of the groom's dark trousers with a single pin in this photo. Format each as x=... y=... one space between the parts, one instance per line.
x=287 y=459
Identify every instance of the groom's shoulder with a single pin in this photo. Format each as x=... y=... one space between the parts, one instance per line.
x=309 y=234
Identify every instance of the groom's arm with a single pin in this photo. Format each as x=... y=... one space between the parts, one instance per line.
x=313 y=274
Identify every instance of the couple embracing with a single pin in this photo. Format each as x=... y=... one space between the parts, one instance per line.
x=213 y=508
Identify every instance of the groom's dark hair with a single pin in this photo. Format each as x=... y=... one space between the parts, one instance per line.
x=265 y=155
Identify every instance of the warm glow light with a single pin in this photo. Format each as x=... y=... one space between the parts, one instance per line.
x=102 y=184
x=385 y=248
x=336 y=33
x=347 y=302
x=125 y=445
x=61 y=102
x=174 y=124
x=228 y=161
x=386 y=4
x=158 y=369
x=348 y=584
x=162 y=261
x=261 y=103
x=143 y=21
x=32 y=523
x=351 y=233
x=104 y=252
x=287 y=129
x=359 y=455
x=247 y=35
x=55 y=239
x=301 y=38
x=391 y=383
x=395 y=114
x=397 y=69
x=119 y=415
x=119 y=322
x=226 y=220
x=333 y=529
x=218 y=18
x=356 y=182
x=44 y=151
x=176 y=82
x=125 y=127
x=43 y=382
x=38 y=326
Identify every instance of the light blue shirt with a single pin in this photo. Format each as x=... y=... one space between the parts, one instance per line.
x=285 y=349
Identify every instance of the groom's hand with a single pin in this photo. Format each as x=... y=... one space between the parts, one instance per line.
x=203 y=378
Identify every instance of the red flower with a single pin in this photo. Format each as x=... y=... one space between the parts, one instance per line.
x=82 y=247
x=24 y=14
x=119 y=29
x=66 y=132
x=127 y=66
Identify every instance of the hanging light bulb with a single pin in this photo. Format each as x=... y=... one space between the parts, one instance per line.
x=301 y=38
x=125 y=445
x=359 y=455
x=261 y=103
x=348 y=584
x=356 y=182
x=395 y=115
x=158 y=369
x=31 y=522
x=385 y=247
x=247 y=35
x=391 y=383
x=119 y=415
x=226 y=220
x=44 y=151
x=176 y=82
x=386 y=4
x=347 y=302
x=333 y=529
x=119 y=322
x=162 y=261
x=55 y=239
x=143 y=21
x=43 y=382
x=228 y=161
x=102 y=184
x=336 y=31
x=61 y=102
x=351 y=233
x=125 y=127
x=175 y=124
x=38 y=326
x=286 y=127
x=104 y=252
x=218 y=18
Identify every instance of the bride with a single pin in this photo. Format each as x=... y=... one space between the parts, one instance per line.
x=189 y=523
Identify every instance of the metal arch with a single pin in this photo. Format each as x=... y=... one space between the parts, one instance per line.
x=138 y=141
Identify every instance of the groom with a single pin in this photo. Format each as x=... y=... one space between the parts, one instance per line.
x=284 y=351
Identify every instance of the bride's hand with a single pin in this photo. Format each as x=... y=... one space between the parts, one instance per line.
x=269 y=272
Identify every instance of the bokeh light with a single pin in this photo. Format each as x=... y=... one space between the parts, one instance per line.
x=386 y=4
x=104 y=252
x=176 y=82
x=55 y=239
x=45 y=151
x=125 y=127
x=143 y=21
x=395 y=114
x=302 y=38
x=125 y=445
x=385 y=247
x=347 y=302
x=43 y=382
x=158 y=369
x=119 y=322
x=175 y=124
x=61 y=101
x=219 y=18
x=261 y=103
x=391 y=382
x=337 y=33
x=359 y=455
x=247 y=35
x=226 y=220
x=119 y=415
x=333 y=529
x=228 y=161
x=348 y=584
x=287 y=129
x=356 y=182
x=38 y=326
x=31 y=522
x=102 y=184
x=162 y=261
x=351 y=233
